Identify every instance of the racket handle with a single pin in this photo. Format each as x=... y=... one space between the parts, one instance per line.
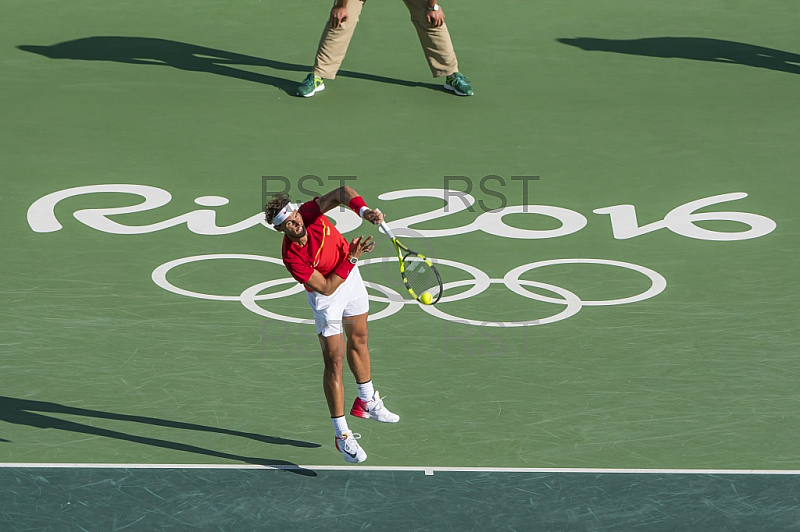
x=385 y=227
x=386 y=230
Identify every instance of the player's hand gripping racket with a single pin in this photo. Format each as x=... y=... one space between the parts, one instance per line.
x=420 y=276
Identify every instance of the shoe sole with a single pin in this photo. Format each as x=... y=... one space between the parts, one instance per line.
x=365 y=415
x=312 y=93
x=451 y=88
x=351 y=459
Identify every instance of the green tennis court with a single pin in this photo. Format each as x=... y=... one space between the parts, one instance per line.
x=613 y=214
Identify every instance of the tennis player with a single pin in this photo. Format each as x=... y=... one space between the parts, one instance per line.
x=320 y=258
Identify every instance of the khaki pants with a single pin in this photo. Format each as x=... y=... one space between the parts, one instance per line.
x=435 y=41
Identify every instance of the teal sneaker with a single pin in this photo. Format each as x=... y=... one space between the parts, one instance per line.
x=458 y=84
x=310 y=86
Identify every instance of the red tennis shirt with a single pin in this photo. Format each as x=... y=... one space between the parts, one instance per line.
x=325 y=250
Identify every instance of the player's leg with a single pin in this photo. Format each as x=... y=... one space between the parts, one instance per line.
x=333 y=358
x=438 y=48
x=331 y=50
x=333 y=353
x=355 y=328
x=328 y=319
x=368 y=404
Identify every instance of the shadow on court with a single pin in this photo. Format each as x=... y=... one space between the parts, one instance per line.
x=183 y=56
x=29 y=413
x=695 y=48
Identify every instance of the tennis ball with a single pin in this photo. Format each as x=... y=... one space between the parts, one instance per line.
x=426 y=298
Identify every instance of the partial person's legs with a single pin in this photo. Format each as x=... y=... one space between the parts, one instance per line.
x=334 y=42
x=331 y=50
x=438 y=48
x=435 y=42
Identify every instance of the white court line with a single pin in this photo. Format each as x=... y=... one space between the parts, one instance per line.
x=428 y=470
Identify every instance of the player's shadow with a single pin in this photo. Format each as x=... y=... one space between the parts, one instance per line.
x=184 y=56
x=695 y=48
x=31 y=413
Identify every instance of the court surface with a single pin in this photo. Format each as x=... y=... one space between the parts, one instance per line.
x=614 y=211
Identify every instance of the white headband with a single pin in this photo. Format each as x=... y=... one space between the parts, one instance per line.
x=284 y=213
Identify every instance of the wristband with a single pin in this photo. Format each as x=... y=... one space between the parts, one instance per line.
x=358 y=205
x=344 y=269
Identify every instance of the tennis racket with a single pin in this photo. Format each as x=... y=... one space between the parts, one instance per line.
x=420 y=276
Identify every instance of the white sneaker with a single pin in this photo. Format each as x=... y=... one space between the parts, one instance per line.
x=350 y=448
x=373 y=409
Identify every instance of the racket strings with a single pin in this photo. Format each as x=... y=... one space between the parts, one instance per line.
x=420 y=276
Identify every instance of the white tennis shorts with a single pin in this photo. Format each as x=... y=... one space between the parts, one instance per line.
x=350 y=299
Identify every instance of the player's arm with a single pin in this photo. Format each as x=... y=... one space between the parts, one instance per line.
x=347 y=196
x=318 y=283
x=340 y=196
x=326 y=286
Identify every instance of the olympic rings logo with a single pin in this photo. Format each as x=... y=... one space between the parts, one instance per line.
x=479 y=283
